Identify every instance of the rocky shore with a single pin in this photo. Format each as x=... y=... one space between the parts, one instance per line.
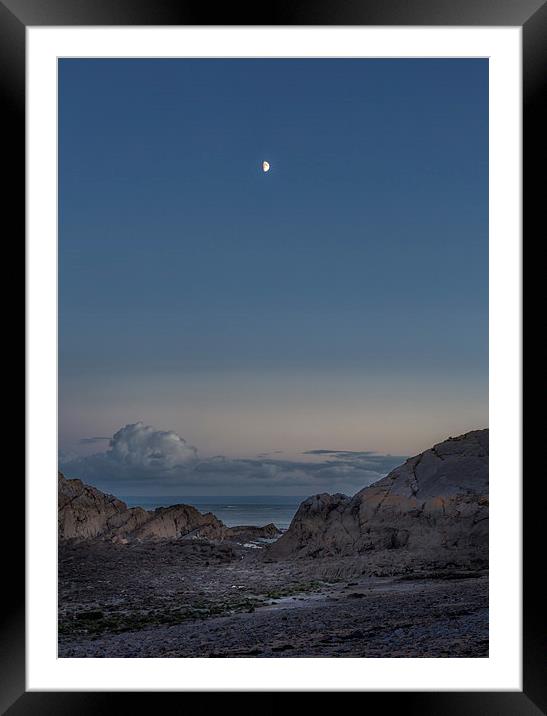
x=172 y=601
x=87 y=514
x=400 y=569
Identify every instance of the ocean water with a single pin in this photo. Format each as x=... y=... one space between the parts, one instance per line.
x=232 y=510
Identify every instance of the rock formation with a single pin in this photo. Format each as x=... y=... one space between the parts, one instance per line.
x=246 y=532
x=434 y=505
x=87 y=513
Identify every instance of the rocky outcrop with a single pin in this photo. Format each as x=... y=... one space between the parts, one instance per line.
x=246 y=533
x=434 y=505
x=87 y=513
x=180 y=521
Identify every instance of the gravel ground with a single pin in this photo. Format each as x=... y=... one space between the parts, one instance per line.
x=197 y=599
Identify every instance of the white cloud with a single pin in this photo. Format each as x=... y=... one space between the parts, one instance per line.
x=143 y=447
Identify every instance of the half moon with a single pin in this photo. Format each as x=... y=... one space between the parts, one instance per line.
x=265 y=167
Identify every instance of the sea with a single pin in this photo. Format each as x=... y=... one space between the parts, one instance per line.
x=232 y=510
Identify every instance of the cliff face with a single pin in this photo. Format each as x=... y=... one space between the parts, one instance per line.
x=88 y=513
x=434 y=504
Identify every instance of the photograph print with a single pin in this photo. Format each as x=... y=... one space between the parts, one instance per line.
x=273 y=358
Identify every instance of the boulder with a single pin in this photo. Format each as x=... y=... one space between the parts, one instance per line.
x=246 y=533
x=435 y=505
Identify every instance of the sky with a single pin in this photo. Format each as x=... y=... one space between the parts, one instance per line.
x=228 y=331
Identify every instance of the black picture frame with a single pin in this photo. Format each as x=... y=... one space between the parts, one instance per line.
x=531 y=15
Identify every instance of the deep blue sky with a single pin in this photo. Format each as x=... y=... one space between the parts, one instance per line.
x=338 y=301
